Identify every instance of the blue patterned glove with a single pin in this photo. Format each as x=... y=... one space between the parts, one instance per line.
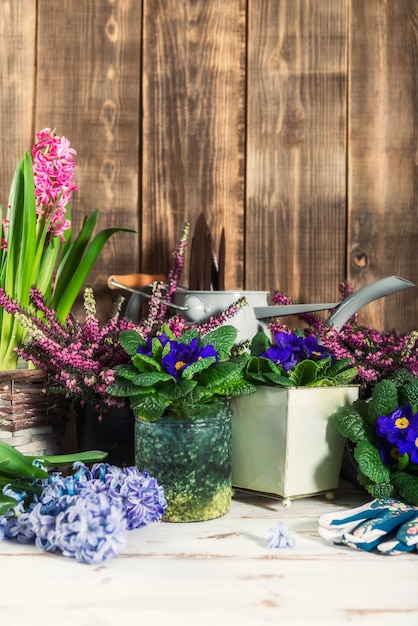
x=405 y=540
x=366 y=526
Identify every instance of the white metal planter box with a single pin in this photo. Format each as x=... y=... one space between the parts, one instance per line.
x=283 y=442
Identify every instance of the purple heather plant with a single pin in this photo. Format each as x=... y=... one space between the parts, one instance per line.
x=376 y=354
x=79 y=356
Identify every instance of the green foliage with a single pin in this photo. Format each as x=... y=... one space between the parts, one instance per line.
x=260 y=370
x=19 y=471
x=32 y=257
x=151 y=388
x=356 y=423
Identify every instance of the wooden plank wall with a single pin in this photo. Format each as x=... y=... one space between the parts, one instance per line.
x=292 y=123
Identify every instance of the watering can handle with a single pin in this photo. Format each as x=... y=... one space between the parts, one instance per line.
x=115 y=284
x=361 y=297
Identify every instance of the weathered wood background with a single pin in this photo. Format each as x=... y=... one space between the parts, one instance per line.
x=292 y=123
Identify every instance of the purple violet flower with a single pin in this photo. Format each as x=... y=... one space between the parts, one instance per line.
x=181 y=355
x=287 y=351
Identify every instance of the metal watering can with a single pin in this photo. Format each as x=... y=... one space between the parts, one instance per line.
x=198 y=306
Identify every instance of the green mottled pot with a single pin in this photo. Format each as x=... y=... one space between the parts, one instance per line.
x=191 y=459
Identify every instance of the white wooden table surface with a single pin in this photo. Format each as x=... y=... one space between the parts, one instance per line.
x=218 y=572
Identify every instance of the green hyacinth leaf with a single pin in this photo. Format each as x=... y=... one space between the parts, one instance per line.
x=16 y=465
x=6 y=504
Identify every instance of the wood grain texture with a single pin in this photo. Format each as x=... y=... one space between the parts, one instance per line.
x=88 y=88
x=193 y=133
x=382 y=154
x=291 y=123
x=17 y=86
x=296 y=168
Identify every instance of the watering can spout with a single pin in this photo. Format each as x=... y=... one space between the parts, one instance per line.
x=356 y=300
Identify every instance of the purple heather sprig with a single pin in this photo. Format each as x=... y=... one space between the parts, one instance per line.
x=80 y=357
x=376 y=354
x=157 y=309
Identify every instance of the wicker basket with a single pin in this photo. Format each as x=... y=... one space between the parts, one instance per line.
x=32 y=417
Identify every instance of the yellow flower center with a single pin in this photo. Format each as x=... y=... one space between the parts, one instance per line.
x=401 y=423
x=179 y=365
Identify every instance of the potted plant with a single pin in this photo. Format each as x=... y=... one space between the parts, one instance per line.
x=384 y=433
x=283 y=442
x=79 y=355
x=377 y=354
x=38 y=249
x=179 y=389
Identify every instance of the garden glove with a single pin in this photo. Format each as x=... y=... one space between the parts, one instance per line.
x=364 y=527
x=405 y=540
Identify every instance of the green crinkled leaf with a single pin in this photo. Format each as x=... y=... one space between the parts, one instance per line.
x=187 y=337
x=197 y=367
x=259 y=379
x=149 y=379
x=276 y=379
x=381 y=490
x=177 y=390
x=237 y=388
x=406 y=486
x=130 y=341
x=338 y=366
x=222 y=339
x=384 y=400
x=219 y=375
x=304 y=373
x=145 y=363
x=149 y=407
x=409 y=393
x=345 y=377
x=123 y=389
x=126 y=371
x=259 y=344
x=370 y=462
x=349 y=423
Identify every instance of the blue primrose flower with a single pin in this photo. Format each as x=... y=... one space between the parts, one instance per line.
x=147 y=350
x=289 y=349
x=410 y=444
x=395 y=426
x=314 y=350
x=389 y=452
x=181 y=355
